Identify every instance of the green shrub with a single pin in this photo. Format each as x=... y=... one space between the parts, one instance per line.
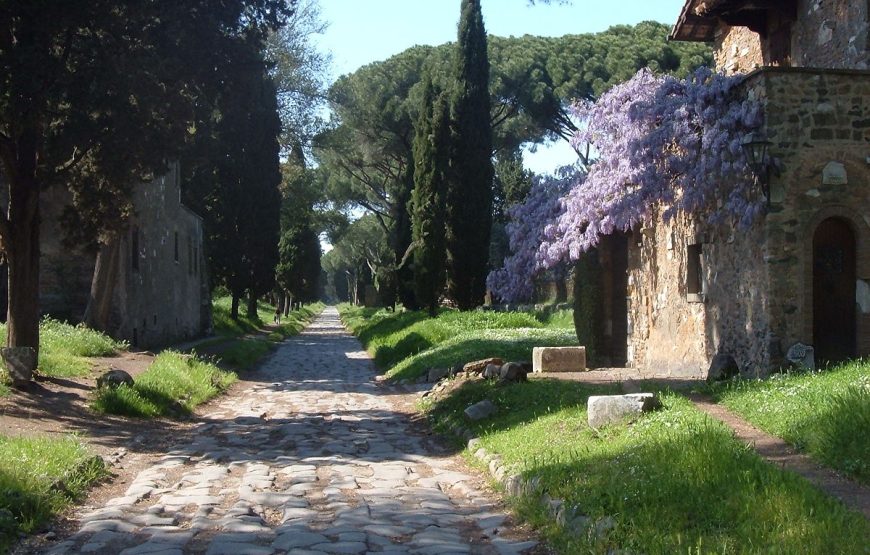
x=172 y=386
x=243 y=353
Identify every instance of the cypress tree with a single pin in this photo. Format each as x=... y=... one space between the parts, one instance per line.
x=428 y=214
x=470 y=187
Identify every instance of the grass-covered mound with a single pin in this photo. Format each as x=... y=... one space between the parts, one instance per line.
x=672 y=482
x=406 y=344
x=825 y=413
x=39 y=477
x=172 y=386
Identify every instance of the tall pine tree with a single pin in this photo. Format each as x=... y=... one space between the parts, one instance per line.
x=470 y=189
x=431 y=160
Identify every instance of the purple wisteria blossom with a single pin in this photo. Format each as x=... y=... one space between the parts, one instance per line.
x=514 y=281
x=662 y=144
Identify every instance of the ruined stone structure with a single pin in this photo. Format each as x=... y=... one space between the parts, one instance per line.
x=802 y=272
x=147 y=285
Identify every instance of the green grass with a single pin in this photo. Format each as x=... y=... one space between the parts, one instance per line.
x=406 y=344
x=290 y=325
x=243 y=353
x=172 y=386
x=39 y=477
x=674 y=482
x=64 y=348
x=825 y=413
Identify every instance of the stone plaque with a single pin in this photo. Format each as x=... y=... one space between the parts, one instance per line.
x=834 y=173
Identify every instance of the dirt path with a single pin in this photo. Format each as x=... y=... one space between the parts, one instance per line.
x=310 y=455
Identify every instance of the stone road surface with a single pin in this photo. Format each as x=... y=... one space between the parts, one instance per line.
x=313 y=458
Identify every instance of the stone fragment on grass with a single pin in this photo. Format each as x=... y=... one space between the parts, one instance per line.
x=558 y=359
x=610 y=409
x=491 y=371
x=481 y=410
x=478 y=366
x=20 y=364
x=514 y=372
x=437 y=374
x=114 y=378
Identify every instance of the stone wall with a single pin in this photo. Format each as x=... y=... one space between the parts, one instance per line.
x=674 y=332
x=819 y=121
x=826 y=34
x=737 y=50
x=831 y=34
x=161 y=294
x=65 y=272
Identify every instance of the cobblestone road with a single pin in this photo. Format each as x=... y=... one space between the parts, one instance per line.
x=313 y=458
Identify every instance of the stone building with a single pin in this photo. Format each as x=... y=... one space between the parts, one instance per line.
x=801 y=274
x=148 y=285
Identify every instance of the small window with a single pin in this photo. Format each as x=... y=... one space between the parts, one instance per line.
x=176 y=246
x=134 y=248
x=694 y=274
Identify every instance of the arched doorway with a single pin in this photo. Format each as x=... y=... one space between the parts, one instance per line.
x=834 y=329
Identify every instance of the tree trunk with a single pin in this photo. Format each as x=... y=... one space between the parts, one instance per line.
x=234 y=307
x=22 y=255
x=288 y=304
x=561 y=290
x=252 y=306
x=103 y=285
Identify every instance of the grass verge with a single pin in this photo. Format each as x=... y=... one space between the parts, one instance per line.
x=825 y=413
x=406 y=344
x=39 y=477
x=64 y=349
x=172 y=386
x=673 y=482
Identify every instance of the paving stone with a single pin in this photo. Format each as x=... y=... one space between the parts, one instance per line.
x=341 y=547
x=311 y=460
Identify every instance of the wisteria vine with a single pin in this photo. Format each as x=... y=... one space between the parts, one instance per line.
x=663 y=145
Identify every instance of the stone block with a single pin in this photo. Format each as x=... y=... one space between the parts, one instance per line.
x=20 y=363
x=114 y=378
x=610 y=409
x=437 y=374
x=478 y=366
x=558 y=359
x=481 y=410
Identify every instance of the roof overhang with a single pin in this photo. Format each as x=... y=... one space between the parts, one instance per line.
x=699 y=18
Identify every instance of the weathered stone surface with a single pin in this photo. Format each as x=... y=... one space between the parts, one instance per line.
x=437 y=374
x=113 y=378
x=491 y=371
x=478 y=366
x=20 y=363
x=514 y=372
x=834 y=173
x=558 y=359
x=610 y=409
x=479 y=411
x=803 y=355
x=723 y=367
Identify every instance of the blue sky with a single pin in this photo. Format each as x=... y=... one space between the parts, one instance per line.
x=364 y=31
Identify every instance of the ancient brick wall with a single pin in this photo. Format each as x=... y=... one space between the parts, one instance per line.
x=737 y=50
x=831 y=34
x=676 y=332
x=826 y=34
x=819 y=121
x=161 y=295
